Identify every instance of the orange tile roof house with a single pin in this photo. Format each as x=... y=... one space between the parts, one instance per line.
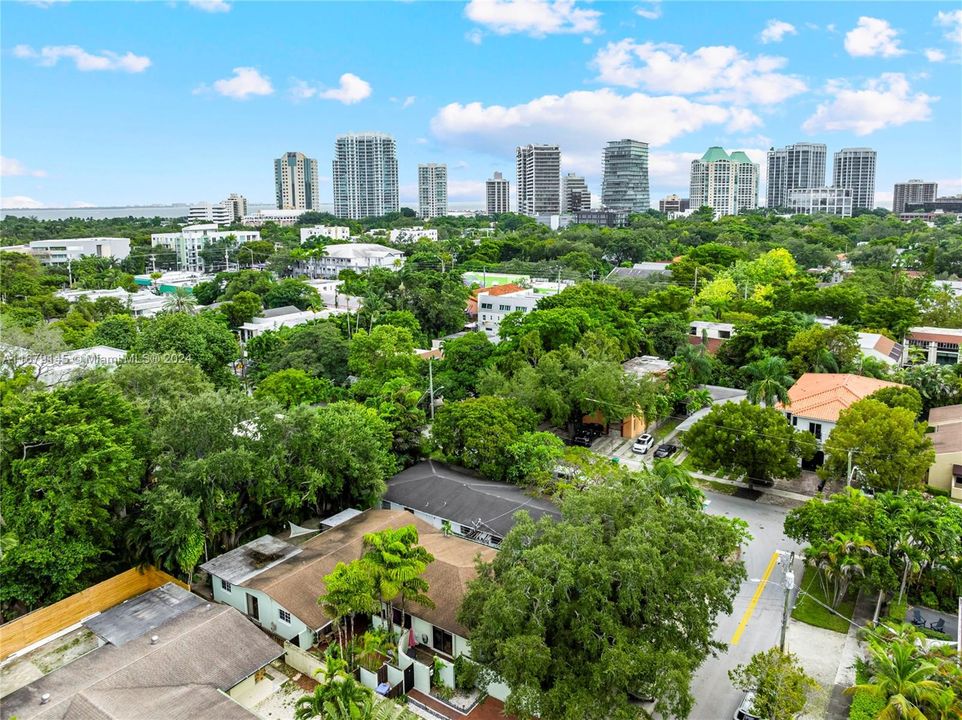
x=817 y=399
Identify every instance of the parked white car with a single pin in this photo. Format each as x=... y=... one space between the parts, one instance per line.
x=642 y=444
x=744 y=711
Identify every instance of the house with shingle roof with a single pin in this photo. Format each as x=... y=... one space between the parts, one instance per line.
x=816 y=400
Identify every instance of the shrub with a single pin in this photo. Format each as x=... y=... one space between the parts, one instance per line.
x=466 y=673
x=865 y=707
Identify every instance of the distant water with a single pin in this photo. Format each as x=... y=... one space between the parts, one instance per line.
x=99 y=213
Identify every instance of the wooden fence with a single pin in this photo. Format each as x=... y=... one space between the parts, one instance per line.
x=28 y=629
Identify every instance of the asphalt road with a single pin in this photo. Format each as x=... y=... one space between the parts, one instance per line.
x=755 y=623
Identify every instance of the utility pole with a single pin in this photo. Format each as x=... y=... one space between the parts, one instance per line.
x=789 y=586
x=431 y=385
x=153 y=263
x=848 y=474
x=696 y=281
x=70 y=270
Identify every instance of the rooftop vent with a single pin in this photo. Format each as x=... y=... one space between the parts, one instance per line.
x=45 y=698
x=154 y=639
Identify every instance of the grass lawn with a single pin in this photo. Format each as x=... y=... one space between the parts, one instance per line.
x=666 y=427
x=716 y=486
x=808 y=611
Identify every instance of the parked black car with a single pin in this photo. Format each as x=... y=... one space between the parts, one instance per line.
x=665 y=450
x=586 y=433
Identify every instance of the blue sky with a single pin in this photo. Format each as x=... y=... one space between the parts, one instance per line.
x=160 y=102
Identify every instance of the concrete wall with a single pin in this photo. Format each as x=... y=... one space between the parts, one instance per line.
x=268 y=615
x=940 y=474
x=302 y=660
x=499 y=691
x=250 y=691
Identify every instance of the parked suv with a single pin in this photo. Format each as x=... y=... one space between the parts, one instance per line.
x=642 y=444
x=665 y=450
x=586 y=433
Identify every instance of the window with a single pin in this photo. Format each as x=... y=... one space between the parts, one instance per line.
x=284 y=615
x=225 y=585
x=400 y=621
x=816 y=430
x=724 y=334
x=505 y=308
x=443 y=641
x=486 y=306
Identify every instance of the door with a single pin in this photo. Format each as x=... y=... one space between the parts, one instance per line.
x=252 y=610
x=409 y=678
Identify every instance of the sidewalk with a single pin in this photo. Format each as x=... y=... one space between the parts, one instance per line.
x=839 y=702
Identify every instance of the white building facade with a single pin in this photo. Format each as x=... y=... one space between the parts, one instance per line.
x=61 y=252
x=295 y=182
x=359 y=257
x=574 y=194
x=403 y=236
x=432 y=190
x=492 y=309
x=625 y=183
x=334 y=232
x=539 y=179
x=191 y=239
x=820 y=200
x=365 y=175
x=498 y=195
x=913 y=191
x=792 y=167
x=854 y=168
x=726 y=183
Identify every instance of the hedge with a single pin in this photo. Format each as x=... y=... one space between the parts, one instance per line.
x=865 y=707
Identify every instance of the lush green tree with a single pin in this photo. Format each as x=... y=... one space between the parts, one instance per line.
x=117 y=331
x=155 y=386
x=937 y=385
x=200 y=338
x=20 y=276
x=383 y=354
x=318 y=348
x=291 y=291
x=897 y=314
x=823 y=349
x=396 y=564
x=619 y=596
x=748 y=441
x=476 y=432
x=71 y=461
x=398 y=405
x=167 y=532
x=464 y=359
x=770 y=381
x=242 y=309
x=293 y=387
x=838 y=561
x=533 y=457
x=900 y=396
x=766 y=336
x=349 y=591
x=900 y=678
x=779 y=682
x=181 y=300
x=672 y=482
x=75 y=329
x=889 y=448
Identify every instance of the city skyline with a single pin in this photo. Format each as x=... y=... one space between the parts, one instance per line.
x=777 y=76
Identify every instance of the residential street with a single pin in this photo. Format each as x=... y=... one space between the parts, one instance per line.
x=756 y=621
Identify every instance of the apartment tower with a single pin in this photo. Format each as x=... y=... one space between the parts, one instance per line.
x=432 y=190
x=539 y=180
x=365 y=175
x=498 y=194
x=726 y=183
x=794 y=167
x=295 y=182
x=625 y=183
x=854 y=168
x=913 y=191
x=574 y=194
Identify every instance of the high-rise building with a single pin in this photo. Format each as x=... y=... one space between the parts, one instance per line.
x=913 y=191
x=365 y=175
x=236 y=206
x=539 y=180
x=820 y=200
x=574 y=194
x=432 y=190
x=792 y=167
x=673 y=204
x=854 y=168
x=625 y=183
x=498 y=193
x=295 y=182
x=726 y=183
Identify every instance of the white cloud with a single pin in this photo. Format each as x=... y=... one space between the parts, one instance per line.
x=82 y=204
x=671 y=169
x=45 y=3
x=651 y=11
x=533 y=17
x=421 y=141
x=14 y=168
x=871 y=37
x=351 y=90
x=951 y=186
x=408 y=101
x=934 y=55
x=474 y=36
x=50 y=55
x=882 y=102
x=19 y=201
x=211 y=6
x=246 y=82
x=776 y=30
x=953 y=22
x=581 y=122
x=722 y=73
x=466 y=190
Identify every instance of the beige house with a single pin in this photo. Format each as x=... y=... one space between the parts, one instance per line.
x=946 y=472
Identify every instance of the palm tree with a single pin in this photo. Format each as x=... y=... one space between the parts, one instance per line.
x=397 y=563
x=697 y=399
x=671 y=481
x=350 y=592
x=770 y=380
x=697 y=361
x=901 y=678
x=181 y=300
x=838 y=562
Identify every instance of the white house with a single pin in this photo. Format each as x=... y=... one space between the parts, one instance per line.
x=492 y=308
x=359 y=257
x=334 y=232
x=191 y=239
x=879 y=347
x=287 y=316
x=276 y=583
x=403 y=236
x=284 y=218
x=59 y=368
x=60 y=252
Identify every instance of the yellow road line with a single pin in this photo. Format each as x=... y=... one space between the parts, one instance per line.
x=754 y=601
